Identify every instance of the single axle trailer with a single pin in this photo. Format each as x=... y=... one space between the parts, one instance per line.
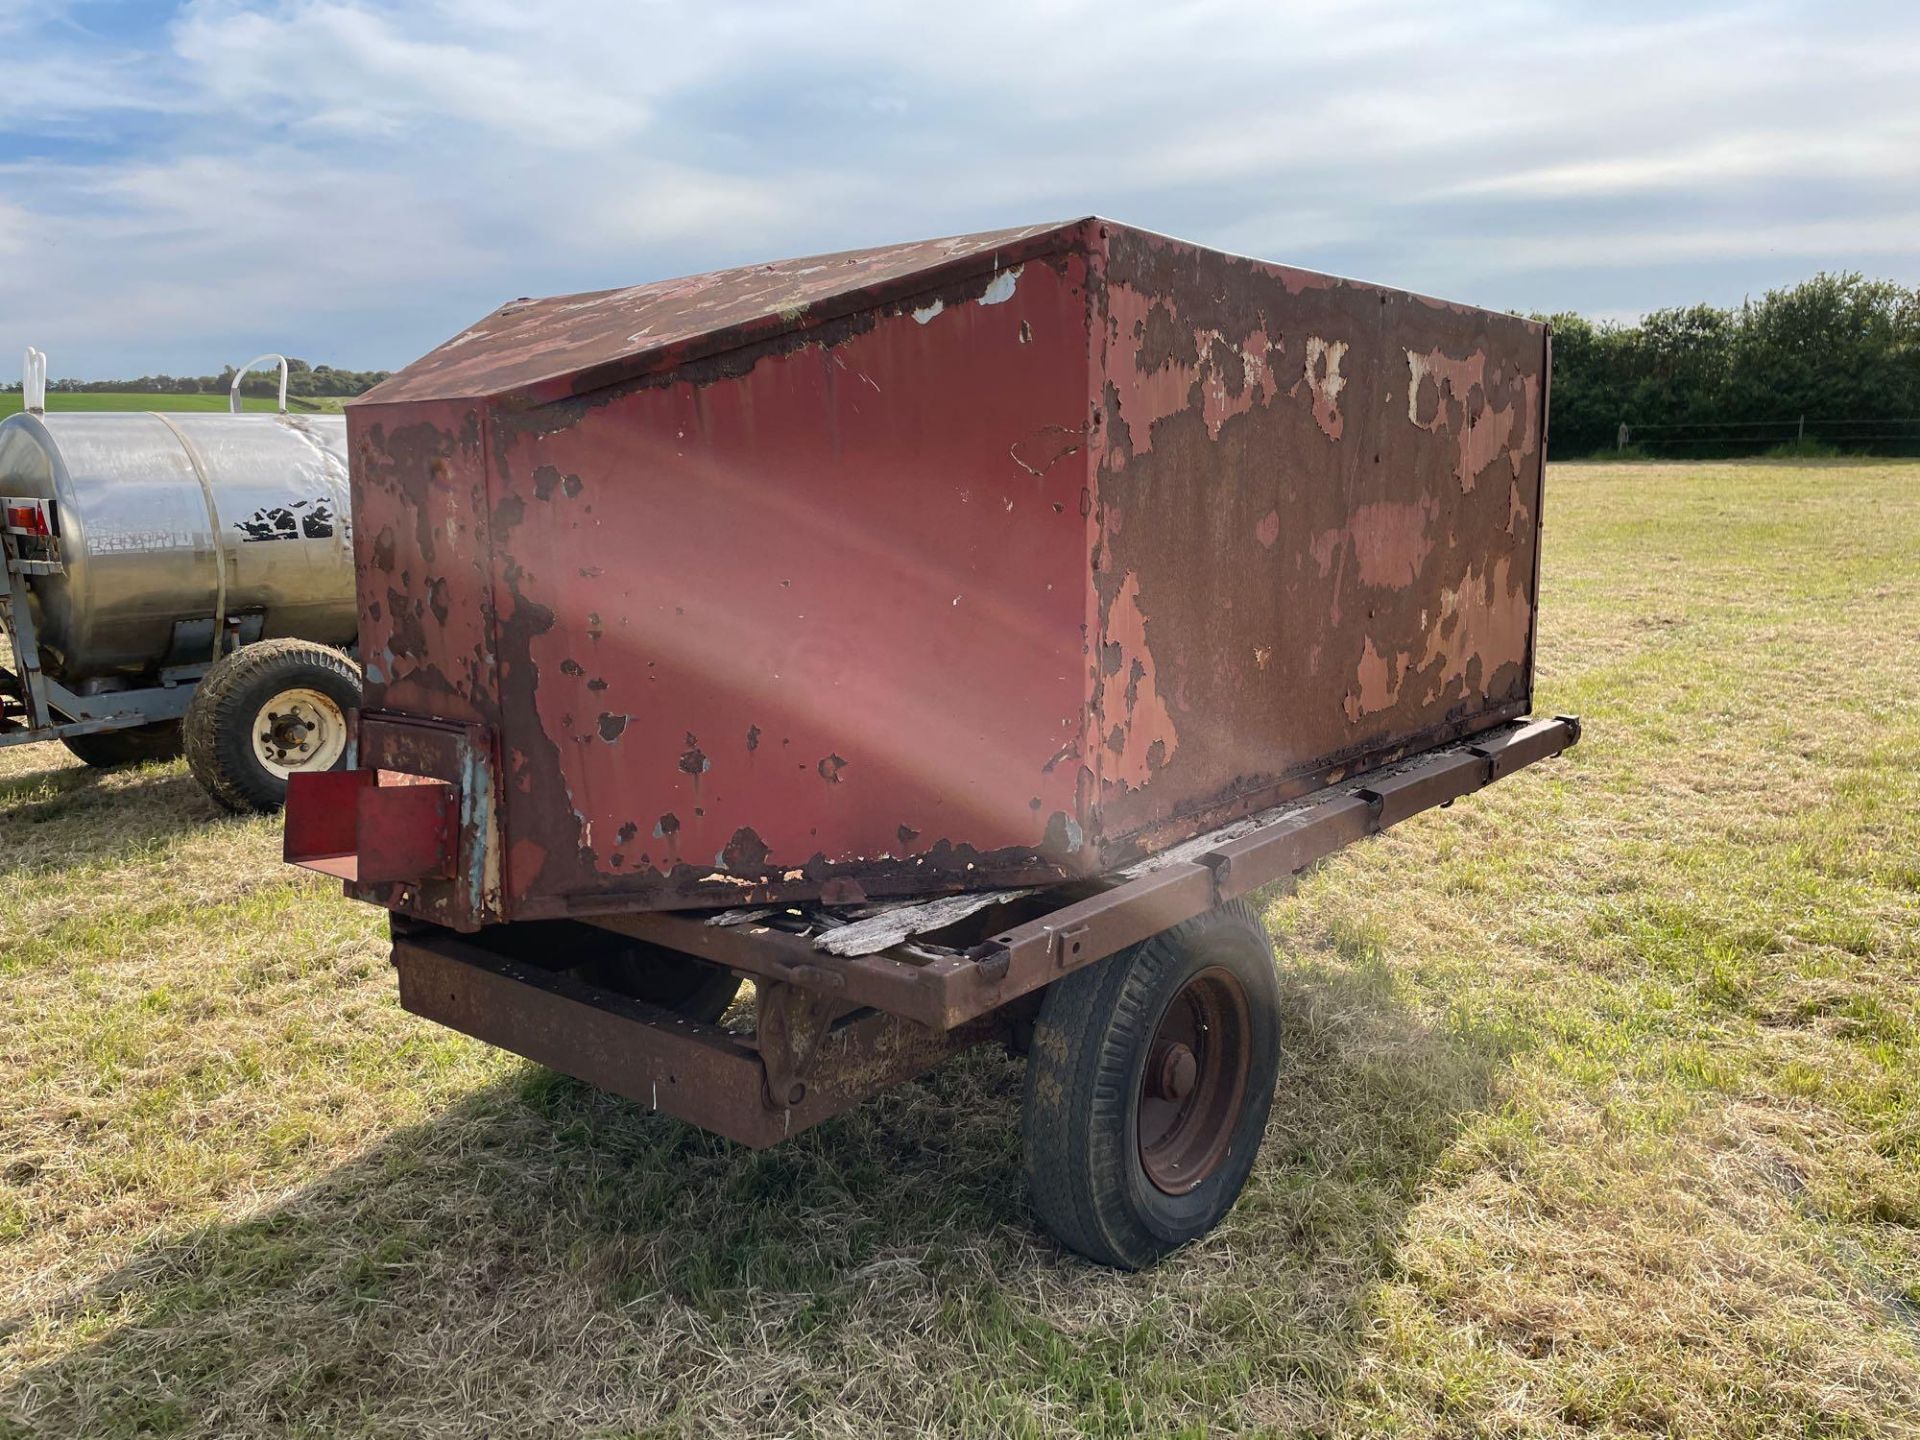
x=948 y=639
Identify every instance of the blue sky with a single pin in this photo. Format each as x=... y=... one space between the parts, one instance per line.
x=353 y=181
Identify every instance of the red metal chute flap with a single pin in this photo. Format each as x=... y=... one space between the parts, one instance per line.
x=372 y=827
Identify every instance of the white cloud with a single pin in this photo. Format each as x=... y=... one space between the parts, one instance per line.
x=1809 y=241
x=360 y=178
x=1889 y=154
x=354 y=69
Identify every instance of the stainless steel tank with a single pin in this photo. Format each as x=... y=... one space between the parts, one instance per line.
x=173 y=525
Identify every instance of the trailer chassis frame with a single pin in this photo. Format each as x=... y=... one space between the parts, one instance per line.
x=832 y=1030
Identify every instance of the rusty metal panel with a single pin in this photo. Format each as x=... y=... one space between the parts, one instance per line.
x=968 y=564
x=826 y=613
x=540 y=350
x=423 y=560
x=1316 y=506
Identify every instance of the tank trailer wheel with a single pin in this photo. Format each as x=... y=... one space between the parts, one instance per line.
x=266 y=710
x=132 y=746
x=1148 y=1086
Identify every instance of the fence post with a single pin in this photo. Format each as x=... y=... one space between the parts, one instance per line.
x=1621 y=442
x=1803 y=430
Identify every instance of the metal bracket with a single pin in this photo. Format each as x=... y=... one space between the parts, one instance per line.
x=790 y=1025
x=1067 y=944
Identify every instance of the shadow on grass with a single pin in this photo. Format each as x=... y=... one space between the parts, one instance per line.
x=103 y=813
x=543 y=1258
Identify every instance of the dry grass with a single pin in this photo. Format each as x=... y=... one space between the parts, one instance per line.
x=1599 y=1117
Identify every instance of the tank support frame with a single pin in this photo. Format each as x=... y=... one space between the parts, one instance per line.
x=34 y=706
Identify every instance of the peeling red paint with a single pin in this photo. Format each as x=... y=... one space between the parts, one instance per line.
x=1455 y=396
x=1175 y=361
x=1391 y=541
x=1376 y=683
x=1483 y=621
x=1325 y=382
x=955 y=536
x=1128 y=702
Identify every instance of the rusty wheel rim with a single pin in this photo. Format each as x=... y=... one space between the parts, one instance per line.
x=1195 y=1081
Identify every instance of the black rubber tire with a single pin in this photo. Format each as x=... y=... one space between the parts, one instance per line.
x=1084 y=1073
x=220 y=718
x=133 y=746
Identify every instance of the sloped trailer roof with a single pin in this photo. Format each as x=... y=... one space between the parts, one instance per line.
x=978 y=562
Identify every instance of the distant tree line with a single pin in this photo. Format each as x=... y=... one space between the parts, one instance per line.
x=302 y=380
x=1841 y=350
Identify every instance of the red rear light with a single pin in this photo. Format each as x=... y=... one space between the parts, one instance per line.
x=28 y=517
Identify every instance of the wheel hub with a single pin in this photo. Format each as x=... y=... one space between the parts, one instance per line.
x=1194 y=1083
x=299 y=729
x=1174 y=1073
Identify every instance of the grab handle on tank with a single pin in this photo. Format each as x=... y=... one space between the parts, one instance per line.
x=33 y=381
x=233 y=395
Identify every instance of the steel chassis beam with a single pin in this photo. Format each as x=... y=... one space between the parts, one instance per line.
x=832 y=1031
x=809 y=1060
x=943 y=991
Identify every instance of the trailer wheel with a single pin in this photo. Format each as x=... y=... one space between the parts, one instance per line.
x=266 y=710
x=1148 y=1086
x=134 y=745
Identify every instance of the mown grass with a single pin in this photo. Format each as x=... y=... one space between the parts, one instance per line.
x=1600 y=1113
x=63 y=400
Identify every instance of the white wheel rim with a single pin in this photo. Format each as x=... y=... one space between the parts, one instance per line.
x=299 y=729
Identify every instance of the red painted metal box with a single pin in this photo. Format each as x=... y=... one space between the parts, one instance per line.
x=970 y=563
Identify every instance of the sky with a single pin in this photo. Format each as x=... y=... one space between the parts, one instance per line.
x=350 y=181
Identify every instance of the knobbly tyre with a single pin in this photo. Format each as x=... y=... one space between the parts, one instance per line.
x=947 y=638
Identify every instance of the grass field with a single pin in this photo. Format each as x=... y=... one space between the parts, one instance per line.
x=58 y=401
x=1600 y=1115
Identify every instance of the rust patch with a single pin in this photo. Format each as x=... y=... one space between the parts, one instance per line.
x=1482 y=625
x=1376 y=684
x=1180 y=366
x=1140 y=731
x=745 y=852
x=1454 y=396
x=1325 y=382
x=1045 y=448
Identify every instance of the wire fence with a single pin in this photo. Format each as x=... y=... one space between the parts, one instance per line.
x=1883 y=434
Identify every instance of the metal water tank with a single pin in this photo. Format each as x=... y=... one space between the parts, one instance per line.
x=173 y=526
